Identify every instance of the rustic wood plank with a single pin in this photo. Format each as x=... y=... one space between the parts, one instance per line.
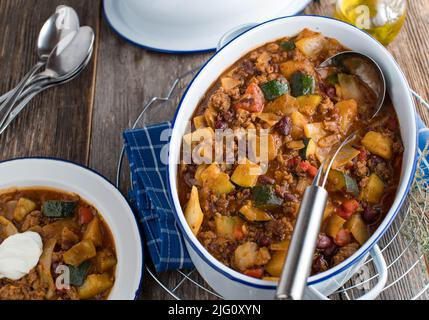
x=127 y=78
x=56 y=123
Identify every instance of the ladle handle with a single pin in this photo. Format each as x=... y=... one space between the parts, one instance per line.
x=301 y=250
x=11 y=100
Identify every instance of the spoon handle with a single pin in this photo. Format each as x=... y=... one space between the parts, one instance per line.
x=11 y=100
x=301 y=250
x=34 y=80
x=28 y=95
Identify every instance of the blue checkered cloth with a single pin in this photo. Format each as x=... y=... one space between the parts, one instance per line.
x=423 y=142
x=145 y=149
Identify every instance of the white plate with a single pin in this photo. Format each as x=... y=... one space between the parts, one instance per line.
x=58 y=174
x=189 y=26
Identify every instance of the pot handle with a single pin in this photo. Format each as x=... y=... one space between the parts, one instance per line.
x=380 y=266
x=234 y=33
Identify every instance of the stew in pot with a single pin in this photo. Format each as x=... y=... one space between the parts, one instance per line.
x=244 y=214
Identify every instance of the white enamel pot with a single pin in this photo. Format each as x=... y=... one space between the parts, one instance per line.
x=231 y=284
x=99 y=192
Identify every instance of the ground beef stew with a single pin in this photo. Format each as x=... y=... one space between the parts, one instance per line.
x=246 y=220
x=74 y=237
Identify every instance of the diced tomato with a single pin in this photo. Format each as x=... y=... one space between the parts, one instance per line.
x=362 y=155
x=85 y=215
x=255 y=273
x=351 y=205
x=343 y=238
x=304 y=165
x=311 y=170
x=253 y=100
x=344 y=213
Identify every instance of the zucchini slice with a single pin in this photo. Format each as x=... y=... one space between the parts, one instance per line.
x=274 y=89
x=309 y=150
x=59 y=209
x=78 y=274
x=302 y=84
x=340 y=181
x=288 y=45
x=265 y=197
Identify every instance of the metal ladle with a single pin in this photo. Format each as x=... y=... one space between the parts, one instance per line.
x=299 y=259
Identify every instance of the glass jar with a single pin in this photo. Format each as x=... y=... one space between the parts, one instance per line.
x=383 y=19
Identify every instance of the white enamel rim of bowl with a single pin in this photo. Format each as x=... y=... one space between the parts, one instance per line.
x=99 y=192
x=297 y=23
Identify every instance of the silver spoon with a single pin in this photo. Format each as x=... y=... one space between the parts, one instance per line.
x=64 y=61
x=30 y=93
x=297 y=267
x=60 y=25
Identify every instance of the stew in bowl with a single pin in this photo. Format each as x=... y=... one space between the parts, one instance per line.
x=74 y=257
x=243 y=211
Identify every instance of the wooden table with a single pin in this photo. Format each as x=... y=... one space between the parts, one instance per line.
x=82 y=121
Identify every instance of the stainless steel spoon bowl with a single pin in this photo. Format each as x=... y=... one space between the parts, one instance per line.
x=297 y=267
x=365 y=69
x=67 y=59
x=63 y=23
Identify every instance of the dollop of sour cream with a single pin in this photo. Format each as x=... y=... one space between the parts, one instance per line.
x=19 y=254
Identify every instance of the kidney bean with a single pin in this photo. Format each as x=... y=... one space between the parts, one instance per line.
x=324 y=242
x=221 y=125
x=266 y=180
x=290 y=197
x=371 y=214
x=284 y=126
x=264 y=241
x=343 y=238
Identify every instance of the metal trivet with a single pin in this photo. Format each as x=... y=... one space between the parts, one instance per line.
x=405 y=246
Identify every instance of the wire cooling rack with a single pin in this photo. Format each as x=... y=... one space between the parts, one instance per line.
x=405 y=246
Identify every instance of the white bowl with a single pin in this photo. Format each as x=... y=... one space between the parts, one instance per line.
x=62 y=175
x=230 y=283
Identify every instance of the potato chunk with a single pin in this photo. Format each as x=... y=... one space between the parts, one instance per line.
x=284 y=105
x=7 y=228
x=348 y=111
x=193 y=213
x=23 y=207
x=358 y=228
x=79 y=253
x=94 y=285
x=105 y=260
x=335 y=224
x=229 y=227
x=245 y=256
x=246 y=175
x=374 y=189
x=93 y=232
x=275 y=266
x=378 y=144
